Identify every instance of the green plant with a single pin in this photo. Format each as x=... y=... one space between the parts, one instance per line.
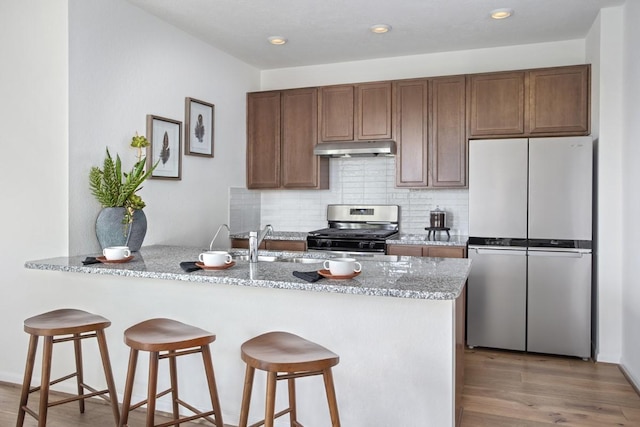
x=114 y=188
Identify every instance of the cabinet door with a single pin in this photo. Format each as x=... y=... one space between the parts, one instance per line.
x=444 y=251
x=404 y=250
x=286 y=245
x=263 y=140
x=448 y=136
x=336 y=113
x=300 y=167
x=497 y=104
x=559 y=101
x=412 y=112
x=373 y=111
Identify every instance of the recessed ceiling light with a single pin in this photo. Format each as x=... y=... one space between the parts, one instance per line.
x=380 y=28
x=501 y=13
x=277 y=40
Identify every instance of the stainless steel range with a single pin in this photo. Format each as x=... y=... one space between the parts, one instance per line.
x=356 y=228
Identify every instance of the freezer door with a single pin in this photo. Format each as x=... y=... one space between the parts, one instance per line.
x=496 y=298
x=498 y=188
x=559 y=310
x=560 y=188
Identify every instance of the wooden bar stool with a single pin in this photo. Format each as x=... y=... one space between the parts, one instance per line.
x=168 y=339
x=297 y=357
x=56 y=327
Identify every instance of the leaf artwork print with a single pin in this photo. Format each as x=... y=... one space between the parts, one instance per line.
x=199 y=130
x=164 y=154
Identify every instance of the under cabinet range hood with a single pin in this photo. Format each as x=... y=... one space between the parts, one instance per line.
x=356 y=149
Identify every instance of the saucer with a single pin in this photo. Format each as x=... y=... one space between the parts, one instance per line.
x=328 y=275
x=222 y=267
x=104 y=260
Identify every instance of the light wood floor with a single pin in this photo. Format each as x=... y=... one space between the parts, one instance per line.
x=506 y=389
x=502 y=389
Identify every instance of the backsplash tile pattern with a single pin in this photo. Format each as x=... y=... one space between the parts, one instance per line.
x=353 y=181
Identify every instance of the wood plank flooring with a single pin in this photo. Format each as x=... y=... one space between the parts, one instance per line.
x=528 y=390
x=502 y=389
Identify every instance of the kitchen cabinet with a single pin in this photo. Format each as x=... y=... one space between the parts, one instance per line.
x=436 y=251
x=281 y=134
x=497 y=104
x=355 y=112
x=431 y=133
x=537 y=102
x=272 y=245
x=559 y=101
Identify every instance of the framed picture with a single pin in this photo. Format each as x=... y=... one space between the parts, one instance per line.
x=165 y=136
x=199 y=117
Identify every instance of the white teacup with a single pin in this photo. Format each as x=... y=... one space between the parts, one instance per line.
x=342 y=266
x=215 y=258
x=115 y=253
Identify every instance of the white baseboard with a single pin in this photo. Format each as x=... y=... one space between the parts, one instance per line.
x=635 y=382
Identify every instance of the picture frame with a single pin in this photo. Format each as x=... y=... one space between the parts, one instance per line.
x=199 y=127
x=165 y=136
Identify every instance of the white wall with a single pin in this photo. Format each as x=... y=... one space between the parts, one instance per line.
x=631 y=206
x=34 y=173
x=604 y=51
x=125 y=64
x=429 y=65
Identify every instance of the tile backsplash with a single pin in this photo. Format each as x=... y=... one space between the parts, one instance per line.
x=368 y=180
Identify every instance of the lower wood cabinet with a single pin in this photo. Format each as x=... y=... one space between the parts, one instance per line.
x=272 y=245
x=436 y=251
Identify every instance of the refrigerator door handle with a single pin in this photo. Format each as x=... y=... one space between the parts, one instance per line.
x=557 y=254
x=506 y=252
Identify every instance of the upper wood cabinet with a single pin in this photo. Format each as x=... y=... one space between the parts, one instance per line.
x=540 y=102
x=263 y=140
x=412 y=133
x=355 y=112
x=497 y=104
x=559 y=101
x=448 y=132
x=431 y=133
x=281 y=133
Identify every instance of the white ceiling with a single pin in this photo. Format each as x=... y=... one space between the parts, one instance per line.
x=328 y=31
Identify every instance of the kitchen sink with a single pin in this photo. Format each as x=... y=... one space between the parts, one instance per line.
x=261 y=258
x=268 y=258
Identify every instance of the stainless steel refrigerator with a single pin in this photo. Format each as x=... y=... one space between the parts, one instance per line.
x=530 y=210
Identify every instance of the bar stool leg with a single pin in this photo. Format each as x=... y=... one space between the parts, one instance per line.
x=293 y=416
x=270 y=405
x=28 y=374
x=211 y=380
x=108 y=374
x=152 y=390
x=331 y=397
x=173 y=375
x=77 y=347
x=128 y=387
x=246 y=396
x=46 y=379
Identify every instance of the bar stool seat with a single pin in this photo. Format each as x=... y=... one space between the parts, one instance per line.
x=294 y=357
x=67 y=325
x=168 y=339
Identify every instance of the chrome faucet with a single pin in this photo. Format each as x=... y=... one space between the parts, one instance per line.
x=216 y=235
x=254 y=241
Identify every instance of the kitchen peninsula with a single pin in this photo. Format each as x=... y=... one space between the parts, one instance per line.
x=398 y=326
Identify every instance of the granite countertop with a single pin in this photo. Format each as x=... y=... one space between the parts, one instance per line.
x=421 y=239
x=403 y=239
x=276 y=235
x=382 y=275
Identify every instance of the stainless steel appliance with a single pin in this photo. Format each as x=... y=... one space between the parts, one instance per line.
x=356 y=228
x=530 y=209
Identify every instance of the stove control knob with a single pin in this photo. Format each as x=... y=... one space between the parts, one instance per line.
x=362 y=245
x=327 y=243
